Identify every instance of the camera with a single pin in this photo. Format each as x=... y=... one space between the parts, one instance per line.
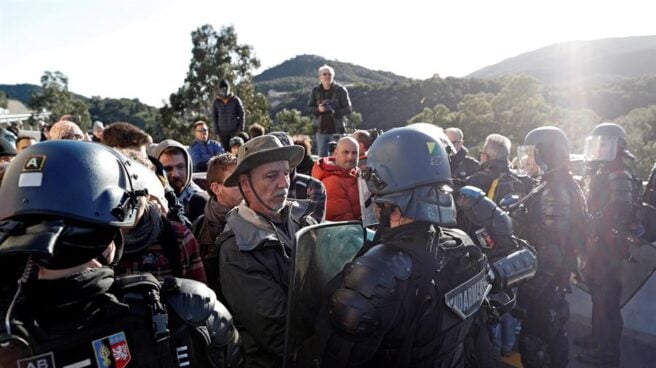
x=328 y=105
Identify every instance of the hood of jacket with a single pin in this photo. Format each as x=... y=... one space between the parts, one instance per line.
x=170 y=143
x=251 y=229
x=326 y=167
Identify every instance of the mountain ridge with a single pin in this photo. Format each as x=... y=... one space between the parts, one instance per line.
x=580 y=61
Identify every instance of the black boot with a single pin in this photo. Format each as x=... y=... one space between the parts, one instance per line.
x=599 y=359
x=585 y=342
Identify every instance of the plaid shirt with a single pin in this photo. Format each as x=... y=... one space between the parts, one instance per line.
x=153 y=260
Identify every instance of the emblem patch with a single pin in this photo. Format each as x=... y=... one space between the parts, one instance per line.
x=466 y=298
x=434 y=153
x=484 y=238
x=46 y=360
x=112 y=351
x=34 y=163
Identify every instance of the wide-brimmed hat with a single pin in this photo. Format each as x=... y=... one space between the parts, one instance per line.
x=263 y=150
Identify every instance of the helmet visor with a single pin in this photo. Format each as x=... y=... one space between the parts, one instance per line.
x=431 y=203
x=526 y=163
x=600 y=148
x=367 y=205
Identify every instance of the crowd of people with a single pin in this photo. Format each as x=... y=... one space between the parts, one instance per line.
x=111 y=254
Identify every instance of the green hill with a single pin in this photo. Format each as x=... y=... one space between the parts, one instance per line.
x=300 y=72
x=590 y=62
x=104 y=109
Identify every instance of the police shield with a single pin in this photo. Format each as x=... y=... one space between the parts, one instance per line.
x=634 y=270
x=321 y=253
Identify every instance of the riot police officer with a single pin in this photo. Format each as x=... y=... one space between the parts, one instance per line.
x=410 y=299
x=63 y=205
x=613 y=200
x=551 y=220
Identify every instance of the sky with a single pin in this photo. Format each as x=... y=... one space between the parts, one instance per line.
x=142 y=48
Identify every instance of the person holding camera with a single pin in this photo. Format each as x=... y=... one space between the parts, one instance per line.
x=330 y=103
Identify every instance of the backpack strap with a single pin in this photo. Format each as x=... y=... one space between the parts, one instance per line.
x=140 y=288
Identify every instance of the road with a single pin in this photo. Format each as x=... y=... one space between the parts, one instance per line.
x=638 y=347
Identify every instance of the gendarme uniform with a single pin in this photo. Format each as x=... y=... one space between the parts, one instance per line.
x=409 y=300
x=64 y=203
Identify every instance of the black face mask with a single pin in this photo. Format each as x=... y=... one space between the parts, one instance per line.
x=146 y=231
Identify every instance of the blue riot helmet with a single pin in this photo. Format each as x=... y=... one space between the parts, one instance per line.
x=605 y=143
x=544 y=149
x=63 y=202
x=409 y=168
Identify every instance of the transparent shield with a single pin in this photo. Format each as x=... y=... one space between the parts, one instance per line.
x=526 y=164
x=367 y=205
x=600 y=148
x=321 y=253
x=634 y=271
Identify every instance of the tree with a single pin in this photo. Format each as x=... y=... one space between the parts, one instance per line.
x=476 y=119
x=576 y=124
x=520 y=107
x=56 y=98
x=215 y=56
x=353 y=122
x=439 y=116
x=640 y=125
x=292 y=122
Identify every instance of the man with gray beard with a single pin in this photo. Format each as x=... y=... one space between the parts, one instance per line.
x=256 y=246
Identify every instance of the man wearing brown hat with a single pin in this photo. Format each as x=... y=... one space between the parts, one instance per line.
x=255 y=248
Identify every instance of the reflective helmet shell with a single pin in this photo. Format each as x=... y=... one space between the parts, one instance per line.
x=407 y=157
x=80 y=181
x=551 y=146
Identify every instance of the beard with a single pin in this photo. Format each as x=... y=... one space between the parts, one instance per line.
x=177 y=184
x=278 y=201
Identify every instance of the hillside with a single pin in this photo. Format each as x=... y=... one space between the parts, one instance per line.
x=104 y=109
x=596 y=61
x=21 y=92
x=300 y=72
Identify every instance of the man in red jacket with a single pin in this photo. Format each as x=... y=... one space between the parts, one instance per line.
x=338 y=175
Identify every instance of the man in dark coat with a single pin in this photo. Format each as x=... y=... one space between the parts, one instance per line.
x=462 y=165
x=255 y=248
x=228 y=114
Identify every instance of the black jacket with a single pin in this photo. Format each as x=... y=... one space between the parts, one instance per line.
x=341 y=106
x=84 y=315
x=254 y=267
x=395 y=305
x=462 y=165
x=228 y=115
x=487 y=172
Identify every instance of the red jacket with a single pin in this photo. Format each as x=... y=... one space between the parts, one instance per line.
x=342 y=202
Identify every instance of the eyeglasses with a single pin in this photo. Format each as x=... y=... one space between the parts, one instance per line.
x=201 y=130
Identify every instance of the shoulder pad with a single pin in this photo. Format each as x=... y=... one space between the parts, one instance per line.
x=191 y=300
x=468 y=196
x=220 y=326
x=375 y=273
x=369 y=281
